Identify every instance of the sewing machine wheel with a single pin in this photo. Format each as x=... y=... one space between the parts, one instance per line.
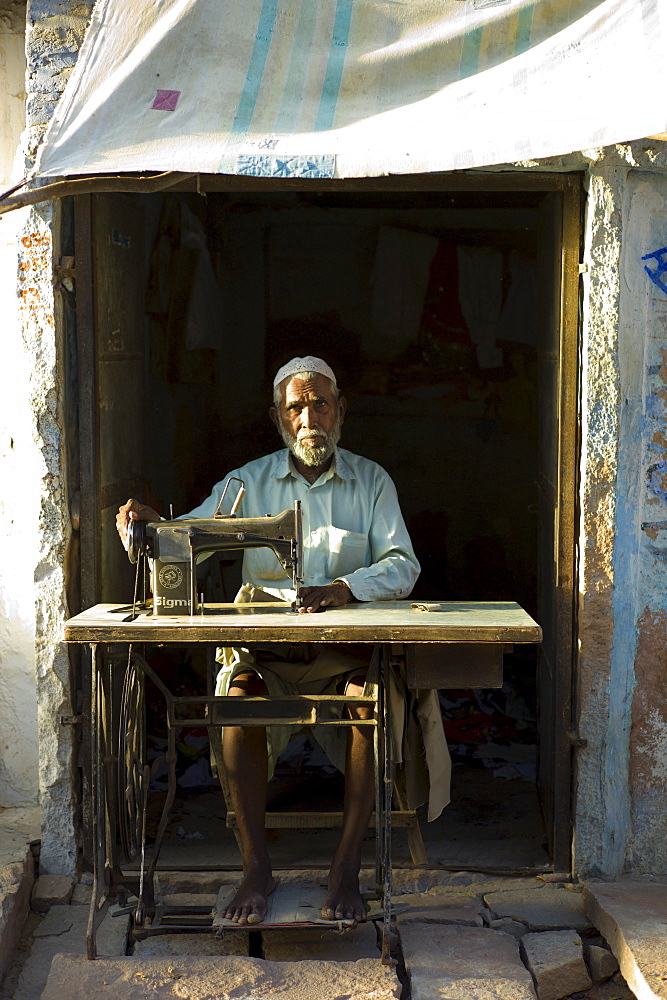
x=132 y=771
x=136 y=540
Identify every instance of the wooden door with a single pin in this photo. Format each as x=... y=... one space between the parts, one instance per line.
x=112 y=335
x=557 y=385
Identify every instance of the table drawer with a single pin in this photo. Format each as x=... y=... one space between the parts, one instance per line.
x=456 y=665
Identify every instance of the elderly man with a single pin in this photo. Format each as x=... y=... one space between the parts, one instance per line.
x=356 y=547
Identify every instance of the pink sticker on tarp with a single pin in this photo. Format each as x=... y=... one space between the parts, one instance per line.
x=166 y=100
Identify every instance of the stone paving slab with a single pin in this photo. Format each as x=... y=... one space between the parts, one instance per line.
x=509 y=926
x=229 y=978
x=601 y=963
x=316 y=943
x=51 y=890
x=437 y=906
x=633 y=918
x=464 y=963
x=64 y=930
x=547 y=907
x=556 y=961
x=15 y=886
x=81 y=894
x=193 y=944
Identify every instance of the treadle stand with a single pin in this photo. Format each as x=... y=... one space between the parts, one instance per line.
x=121 y=779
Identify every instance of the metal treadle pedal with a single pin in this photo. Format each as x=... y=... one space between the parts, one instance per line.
x=290 y=905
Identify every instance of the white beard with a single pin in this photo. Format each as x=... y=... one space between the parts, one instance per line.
x=311 y=455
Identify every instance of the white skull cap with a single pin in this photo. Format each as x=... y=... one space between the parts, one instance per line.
x=308 y=364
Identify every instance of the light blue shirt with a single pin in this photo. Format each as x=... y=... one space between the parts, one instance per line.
x=353 y=529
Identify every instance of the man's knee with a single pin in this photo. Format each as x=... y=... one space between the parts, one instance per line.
x=247 y=684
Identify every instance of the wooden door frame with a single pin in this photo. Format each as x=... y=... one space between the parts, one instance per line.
x=569 y=185
x=84 y=256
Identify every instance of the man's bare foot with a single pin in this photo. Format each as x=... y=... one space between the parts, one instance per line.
x=343 y=900
x=250 y=901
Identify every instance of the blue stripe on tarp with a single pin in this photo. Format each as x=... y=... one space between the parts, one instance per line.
x=522 y=40
x=335 y=64
x=290 y=101
x=472 y=43
x=256 y=66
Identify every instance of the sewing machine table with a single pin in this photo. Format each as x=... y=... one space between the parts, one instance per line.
x=119 y=772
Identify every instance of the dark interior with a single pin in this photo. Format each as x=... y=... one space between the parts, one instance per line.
x=428 y=306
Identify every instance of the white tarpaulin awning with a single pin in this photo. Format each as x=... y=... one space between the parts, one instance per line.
x=355 y=88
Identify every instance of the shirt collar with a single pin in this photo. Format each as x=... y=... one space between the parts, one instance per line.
x=283 y=466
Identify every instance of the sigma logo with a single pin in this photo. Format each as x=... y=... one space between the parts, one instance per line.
x=170 y=602
x=170 y=576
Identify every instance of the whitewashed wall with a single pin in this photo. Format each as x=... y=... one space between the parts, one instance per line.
x=36 y=751
x=19 y=475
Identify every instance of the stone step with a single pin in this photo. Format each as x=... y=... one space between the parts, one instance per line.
x=540 y=907
x=63 y=929
x=556 y=961
x=464 y=963
x=632 y=916
x=225 y=978
x=16 y=880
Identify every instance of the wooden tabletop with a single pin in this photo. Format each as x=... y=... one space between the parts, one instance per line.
x=378 y=621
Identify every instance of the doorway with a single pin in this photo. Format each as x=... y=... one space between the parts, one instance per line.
x=448 y=308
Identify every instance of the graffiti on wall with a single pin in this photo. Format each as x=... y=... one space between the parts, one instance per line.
x=33 y=270
x=655 y=400
x=658 y=268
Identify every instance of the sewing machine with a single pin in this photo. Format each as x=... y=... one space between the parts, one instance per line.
x=173 y=548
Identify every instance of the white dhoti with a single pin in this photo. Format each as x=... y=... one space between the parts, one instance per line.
x=418 y=739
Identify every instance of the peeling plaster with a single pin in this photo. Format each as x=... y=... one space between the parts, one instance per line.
x=56 y=742
x=601 y=797
x=648 y=772
x=646 y=378
x=55 y=33
x=621 y=792
x=652 y=744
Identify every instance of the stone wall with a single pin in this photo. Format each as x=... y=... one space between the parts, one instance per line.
x=621 y=775
x=20 y=491
x=642 y=518
x=37 y=523
x=55 y=30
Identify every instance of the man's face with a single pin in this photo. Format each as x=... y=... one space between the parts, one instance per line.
x=309 y=418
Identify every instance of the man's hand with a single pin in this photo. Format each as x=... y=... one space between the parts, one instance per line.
x=331 y=595
x=133 y=510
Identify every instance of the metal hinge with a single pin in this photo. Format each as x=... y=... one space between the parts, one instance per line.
x=71 y=720
x=64 y=273
x=583 y=269
x=575 y=739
